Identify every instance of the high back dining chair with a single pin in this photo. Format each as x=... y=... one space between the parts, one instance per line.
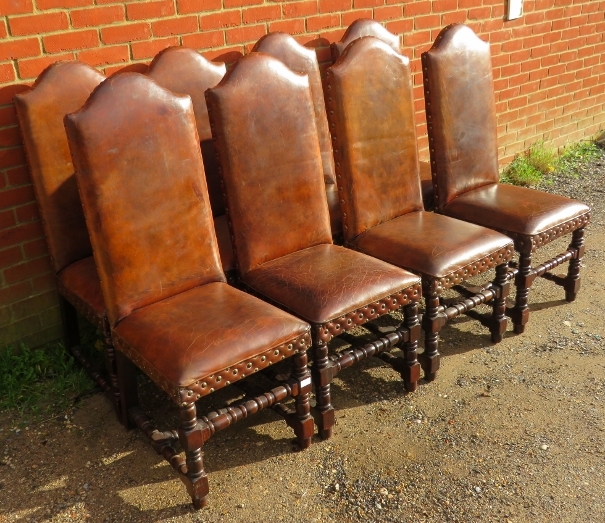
x=302 y=60
x=141 y=178
x=183 y=70
x=63 y=88
x=371 y=109
x=263 y=122
x=368 y=27
x=461 y=116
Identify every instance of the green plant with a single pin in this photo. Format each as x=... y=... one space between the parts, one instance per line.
x=41 y=380
x=577 y=154
x=530 y=167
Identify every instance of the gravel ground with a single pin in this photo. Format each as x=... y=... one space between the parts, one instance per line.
x=512 y=432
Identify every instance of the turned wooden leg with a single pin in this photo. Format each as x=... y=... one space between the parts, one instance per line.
x=520 y=313
x=499 y=321
x=432 y=322
x=302 y=422
x=322 y=389
x=572 y=281
x=127 y=388
x=191 y=439
x=69 y=319
x=112 y=369
x=411 y=373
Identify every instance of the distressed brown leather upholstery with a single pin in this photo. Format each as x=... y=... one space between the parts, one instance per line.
x=302 y=60
x=140 y=173
x=183 y=70
x=63 y=88
x=464 y=159
x=372 y=119
x=280 y=220
x=368 y=27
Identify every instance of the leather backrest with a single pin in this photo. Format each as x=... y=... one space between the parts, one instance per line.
x=302 y=60
x=364 y=27
x=61 y=89
x=371 y=108
x=183 y=70
x=461 y=113
x=263 y=121
x=141 y=178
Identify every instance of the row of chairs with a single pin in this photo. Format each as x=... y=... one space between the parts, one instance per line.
x=299 y=168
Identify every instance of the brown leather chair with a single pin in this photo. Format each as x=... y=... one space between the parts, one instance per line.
x=302 y=60
x=368 y=27
x=263 y=123
x=63 y=88
x=371 y=109
x=461 y=116
x=183 y=70
x=141 y=177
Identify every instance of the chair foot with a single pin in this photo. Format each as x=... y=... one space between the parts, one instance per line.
x=496 y=338
x=570 y=296
x=411 y=386
x=519 y=328
x=430 y=376
x=198 y=491
x=325 y=433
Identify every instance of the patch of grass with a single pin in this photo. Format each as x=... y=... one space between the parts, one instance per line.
x=44 y=380
x=577 y=154
x=530 y=167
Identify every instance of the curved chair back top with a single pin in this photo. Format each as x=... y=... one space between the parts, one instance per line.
x=183 y=70
x=461 y=113
x=263 y=120
x=62 y=88
x=141 y=178
x=373 y=122
x=364 y=27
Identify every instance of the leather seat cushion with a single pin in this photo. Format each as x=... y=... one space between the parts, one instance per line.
x=515 y=210
x=81 y=286
x=327 y=281
x=225 y=248
x=205 y=331
x=434 y=245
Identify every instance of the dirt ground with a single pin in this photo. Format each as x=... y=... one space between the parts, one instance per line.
x=512 y=432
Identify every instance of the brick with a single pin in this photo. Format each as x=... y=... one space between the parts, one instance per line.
x=357 y=4
x=16 y=196
x=455 y=17
x=7 y=219
x=232 y=18
x=36 y=24
x=205 y=40
x=330 y=6
x=35 y=249
x=113 y=54
x=44 y=282
x=70 y=41
x=20 y=234
x=186 y=7
x=441 y=6
x=7 y=73
x=291 y=27
x=240 y=3
x=382 y=13
x=10 y=136
x=16 y=7
x=13 y=293
x=479 y=13
x=175 y=26
x=416 y=38
x=125 y=33
x=147 y=10
x=240 y=35
x=400 y=26
x=26 y=270
x=52 y=4
x=316 y=23
x=97 y=16
x=12 y=156
x=261 y=14
x=428 y=21
x=31 y=68
x=143 y=50
x=19 y=48
x=42 y=302
x=416 y=9
x=297 y=9
x=3 y=31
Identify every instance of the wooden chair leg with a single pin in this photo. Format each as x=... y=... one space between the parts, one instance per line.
x=499 y=321
x=322 y=390
x=572 y=280
x=302 y=422
x=191 y=439
x=127 y=387
x=520 y=313
x=112 y=369
x=411 y=373
x=432 y=321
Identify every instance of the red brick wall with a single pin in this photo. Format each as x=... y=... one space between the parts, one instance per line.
x=549 y=69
